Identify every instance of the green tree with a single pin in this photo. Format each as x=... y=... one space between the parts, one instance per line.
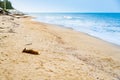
x=5 y=4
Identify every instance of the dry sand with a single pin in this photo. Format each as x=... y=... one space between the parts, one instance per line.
x=64 y=54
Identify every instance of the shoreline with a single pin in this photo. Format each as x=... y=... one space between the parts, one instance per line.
x=34 y=20
x=62 y=26
x=64 y=54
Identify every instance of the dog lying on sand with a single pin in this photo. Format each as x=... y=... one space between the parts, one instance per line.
x=30 y=51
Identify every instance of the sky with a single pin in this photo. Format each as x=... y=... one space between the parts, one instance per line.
x=67 y=5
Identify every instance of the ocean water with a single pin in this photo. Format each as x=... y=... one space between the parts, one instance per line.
x=105 y=26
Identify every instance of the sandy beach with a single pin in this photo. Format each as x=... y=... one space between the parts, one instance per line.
x=64 y=54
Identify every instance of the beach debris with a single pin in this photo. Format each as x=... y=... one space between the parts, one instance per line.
x=30 y=51
x=29 y=44
x=11 y=18
x=2 y=23
x=11 y=31
x=1 y=28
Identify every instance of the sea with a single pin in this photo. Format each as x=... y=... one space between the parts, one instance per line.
x=105 y=26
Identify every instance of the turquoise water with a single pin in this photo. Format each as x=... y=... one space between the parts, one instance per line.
x=105 y=26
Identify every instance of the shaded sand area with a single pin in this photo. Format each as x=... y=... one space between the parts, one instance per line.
x=64 y=54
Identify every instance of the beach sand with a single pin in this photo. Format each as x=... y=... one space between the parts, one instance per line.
x=64 y=54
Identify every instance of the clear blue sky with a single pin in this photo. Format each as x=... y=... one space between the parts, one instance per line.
x=67 y=5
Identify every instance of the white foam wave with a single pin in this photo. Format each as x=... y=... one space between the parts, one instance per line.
x=67 y=17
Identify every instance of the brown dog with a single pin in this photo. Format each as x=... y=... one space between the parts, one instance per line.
x=30 y=51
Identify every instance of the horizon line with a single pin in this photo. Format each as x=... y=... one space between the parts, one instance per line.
x=71 y=12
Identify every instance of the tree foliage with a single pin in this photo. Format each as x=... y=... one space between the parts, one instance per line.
x=8 y=4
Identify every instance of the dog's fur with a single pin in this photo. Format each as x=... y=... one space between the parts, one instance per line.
x=30 y=51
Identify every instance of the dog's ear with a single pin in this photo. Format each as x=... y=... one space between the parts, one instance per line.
x=24 y=50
